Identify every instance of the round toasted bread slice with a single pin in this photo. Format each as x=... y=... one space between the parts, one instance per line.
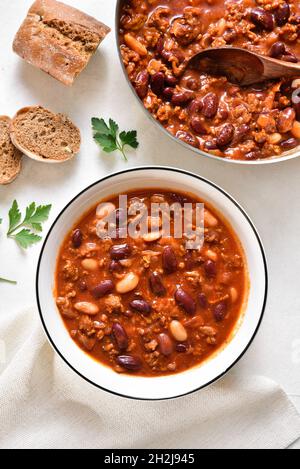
x=45 y=136
x=10 y=156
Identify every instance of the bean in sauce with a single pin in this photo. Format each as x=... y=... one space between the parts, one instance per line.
x=156 y=308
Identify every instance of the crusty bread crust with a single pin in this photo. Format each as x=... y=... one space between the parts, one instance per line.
x=58 y=39
x=10 y=156
x=44 y=136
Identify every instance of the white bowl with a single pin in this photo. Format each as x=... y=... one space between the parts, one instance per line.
x=164 y=387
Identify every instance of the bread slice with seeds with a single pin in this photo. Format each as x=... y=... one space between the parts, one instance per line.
x=44 y=136
x=58 y=39
x=10 y=156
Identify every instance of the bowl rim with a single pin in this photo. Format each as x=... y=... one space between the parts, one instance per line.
x=285 y=157
x=151 y=168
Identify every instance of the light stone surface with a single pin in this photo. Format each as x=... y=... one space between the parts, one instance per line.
x=270 y=194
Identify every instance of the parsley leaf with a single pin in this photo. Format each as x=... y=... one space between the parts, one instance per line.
x=114 y=128
x=14 y=216
x=130 y=138
x=26 y=238
x=107 y=136
x=100 y=126
x=107 y=142
x=38 y=215
x=32 y=223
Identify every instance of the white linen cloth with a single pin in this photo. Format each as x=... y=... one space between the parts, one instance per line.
x=44 y=404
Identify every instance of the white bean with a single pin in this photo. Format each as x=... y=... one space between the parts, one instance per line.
x=105 y=209
x=211 y=255
x=178 y=331
x=135 y=45
x=275 y=138
x=87 y=308
x=209 y=219
x=296 y=129
x=90 y=264
x=125 y=262
x=233 y=294
x=296 y=83
x=128 y=283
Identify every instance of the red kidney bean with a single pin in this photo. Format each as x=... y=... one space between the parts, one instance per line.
x=240 y=134
x=103 y=288
x=156 y=284
x=115 y=266
x=225 y=135
x=166 y=55
x=210 y=105
x=286 y=120
x=120 y=336
x=165 y=344
x=203 y=300
x=211 y=144
x=181 y=348
x=168 y=93
x=223 y=114
x=129 y=362
x=210 y=268
x=289 y=144
x=220 y=311
x=185 y=300
x=187 y=138
x=142 y=306
x=160 y=45
x=282 y=14
x=120 y=251
x=193 y=84
x=77 y=238
x=181 y=98
x=277 y=49
x=195 y=106
x=289 y=57
x=157 y=83
x=169 y=260
x=262 y=18
x=189 y=261
x=197 y=125
x=171 y=80
x=142 y=83
x=82 y=285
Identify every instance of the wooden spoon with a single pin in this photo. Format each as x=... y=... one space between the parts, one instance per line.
x=242 y=66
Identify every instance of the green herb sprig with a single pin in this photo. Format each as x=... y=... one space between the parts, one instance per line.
x=24 y=230
x=108 y=137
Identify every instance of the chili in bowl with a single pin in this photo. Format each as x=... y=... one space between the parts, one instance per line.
x=206 y=113
x=148 y=315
